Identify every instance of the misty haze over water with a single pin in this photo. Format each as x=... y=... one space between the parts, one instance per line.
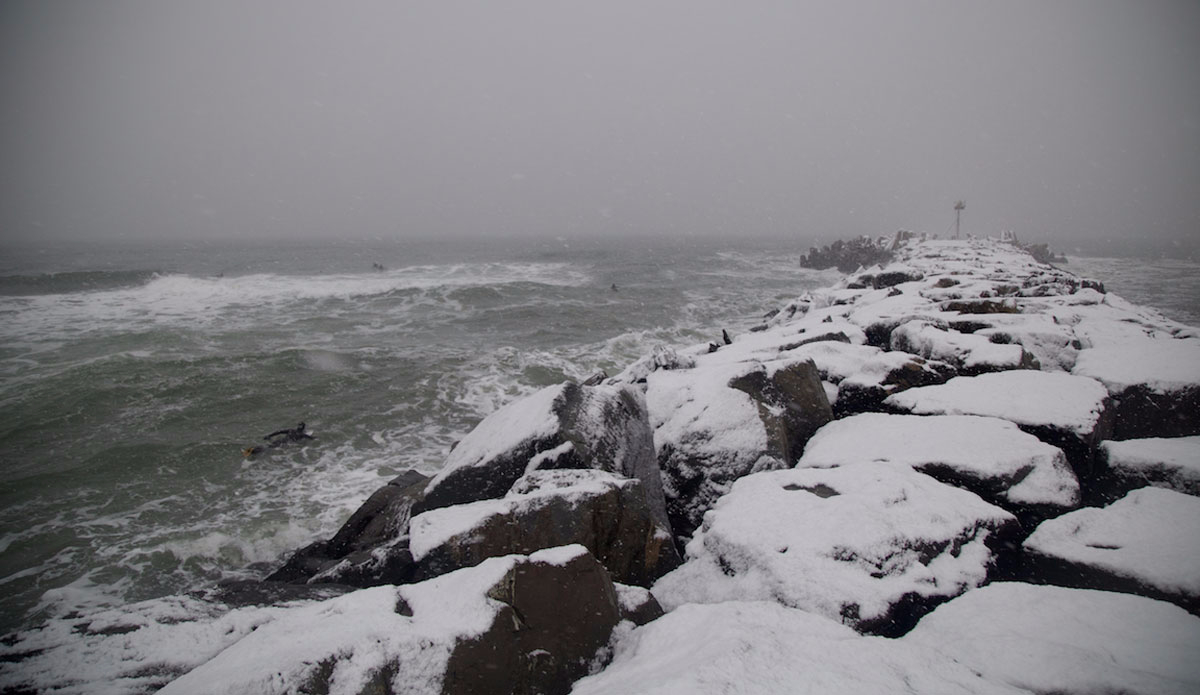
x=1075 y=123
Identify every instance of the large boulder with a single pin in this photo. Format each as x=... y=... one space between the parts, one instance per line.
x=563 y=426
x=1172 y=463
x=1154 y=382
x=1047 y=639
x=1068 y=411
x=604 y=512
x=713 y=425
x=1144 y=543
x=371 y=548
x=758 y=648
x=988 y=456
x=514 y=624
x=871 y=545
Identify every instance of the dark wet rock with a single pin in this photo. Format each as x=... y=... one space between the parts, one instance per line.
x=1143 y=411
x=1171 y=463
x=249 y=592
x=866 y=391
x=791 y=403
x=1154 y=384
x=601 y=511
x=371 y=548
x=847 y=256
x=517 y=624
x=832 y=336
x=715 y=425
x=555 y=618
x=982 y=306
x=565 y=426
x=638 y=605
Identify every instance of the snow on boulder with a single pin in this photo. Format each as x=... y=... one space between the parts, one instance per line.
x=638 y=605
x=968 y=352
x=871 y=545
x=1170 y=463
x=1048 y=639
x=756 y=648
x=880 y=312
x=604 y=512
x=511 y=624
x=1144 y=543
x=1068 y=411
x=1155 y=383
x=715 y=424
x=988 y=456
x=1052 y=344
x=564 y=426
x=865 y=375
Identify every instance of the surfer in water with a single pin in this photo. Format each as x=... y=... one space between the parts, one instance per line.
x=277 y=439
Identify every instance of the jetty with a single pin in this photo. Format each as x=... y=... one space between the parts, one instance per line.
x=959 y=470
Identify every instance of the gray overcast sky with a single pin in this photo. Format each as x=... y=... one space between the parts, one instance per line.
x=138 y=119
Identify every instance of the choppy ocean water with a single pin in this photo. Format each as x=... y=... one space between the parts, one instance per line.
x=131 y=378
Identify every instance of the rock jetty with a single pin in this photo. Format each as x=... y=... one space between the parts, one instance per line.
x=959 y=470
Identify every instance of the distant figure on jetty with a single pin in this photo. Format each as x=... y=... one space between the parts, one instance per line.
x=277 y=439
x=378 y=266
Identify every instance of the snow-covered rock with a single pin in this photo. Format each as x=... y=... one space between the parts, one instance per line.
x=715 y=424
x=1143 y=543
x=511 y=624
x=968 y=352
x=756 y=648
x=865 y=375
x=638 y=605
x=1170 y=463
x=1154 y=381
x=1047 y=639
x=989 y=456
x=1054 y=345
x=870 y=545
x=604 y=512
x=878 y=313
x=564 y=426
x=1068 y=411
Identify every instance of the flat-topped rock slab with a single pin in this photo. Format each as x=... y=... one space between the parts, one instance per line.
x=988 y=456
x=1155 y=382
x=869 y=545
x=758 y=648
x=1173 y=463
x=1049 y=639
x=1066 y=410
x=1023 y=396
x=1143 y=543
